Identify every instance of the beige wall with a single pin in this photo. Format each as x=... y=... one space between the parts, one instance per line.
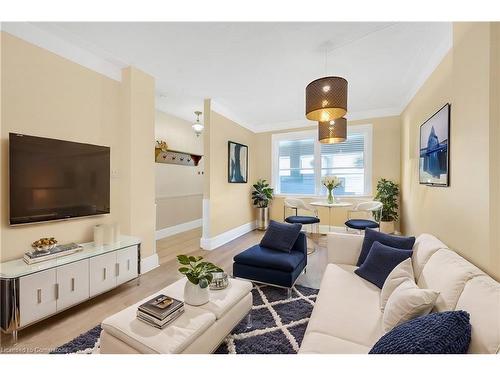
x=179 y=188
x=229 y=204
x=464 y=215
x=46 y=95
x=385 y=162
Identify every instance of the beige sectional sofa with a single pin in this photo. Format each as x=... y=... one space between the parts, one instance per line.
x=347 y=316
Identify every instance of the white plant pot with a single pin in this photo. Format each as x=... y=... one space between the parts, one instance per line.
x=194 y=295
x=387 y=226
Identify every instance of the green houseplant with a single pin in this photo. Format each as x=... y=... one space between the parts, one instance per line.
x=199 y=275
x=387 y=194
x=262 y=195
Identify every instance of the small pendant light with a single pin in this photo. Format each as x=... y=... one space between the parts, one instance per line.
x=334 y=131
x=197 y=126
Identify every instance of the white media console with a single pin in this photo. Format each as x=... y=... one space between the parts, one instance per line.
x=30 y=293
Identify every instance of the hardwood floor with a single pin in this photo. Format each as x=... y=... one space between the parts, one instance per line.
x=61 y=328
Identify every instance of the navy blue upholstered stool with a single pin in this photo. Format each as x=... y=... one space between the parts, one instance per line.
x=272 y=267
x=313 y=221
x=373 y=208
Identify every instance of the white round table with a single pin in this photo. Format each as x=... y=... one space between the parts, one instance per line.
x=330 y=206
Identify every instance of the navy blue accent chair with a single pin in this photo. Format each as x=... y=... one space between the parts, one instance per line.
x=274 y=267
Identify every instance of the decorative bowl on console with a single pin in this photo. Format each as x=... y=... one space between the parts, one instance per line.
x=44 y=245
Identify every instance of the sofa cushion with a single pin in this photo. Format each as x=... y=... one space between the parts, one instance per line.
x=425 y=246
x=347 y=307
x=447 y=273
x=280 y=236
x=259 y=256
x=481 y=299
x=319 y=343
x=380 y=262
x=439 y=333
x=403 y=271
x=386 y=239
x=407 y=302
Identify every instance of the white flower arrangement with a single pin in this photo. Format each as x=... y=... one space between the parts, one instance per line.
x=331 y=182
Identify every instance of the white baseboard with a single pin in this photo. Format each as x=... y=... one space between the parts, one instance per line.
x=223 y=238
x=179 y=228
x=149 y=263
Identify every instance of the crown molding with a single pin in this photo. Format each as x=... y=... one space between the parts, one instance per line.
x=70 y=51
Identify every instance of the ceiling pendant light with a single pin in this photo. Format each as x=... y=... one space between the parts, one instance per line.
x=197 y=126
x=326 y=98
x=333 y=131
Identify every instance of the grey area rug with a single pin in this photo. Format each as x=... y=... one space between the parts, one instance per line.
x=278 y=325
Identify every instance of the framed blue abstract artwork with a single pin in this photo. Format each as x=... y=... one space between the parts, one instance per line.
x=237 y=168
x=434 y=162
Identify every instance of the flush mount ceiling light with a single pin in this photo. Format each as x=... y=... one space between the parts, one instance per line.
x=326 y=99
x=197 y=126
x=334 y=131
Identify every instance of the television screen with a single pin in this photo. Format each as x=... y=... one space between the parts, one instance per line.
x=52 y=179
x=434 y=149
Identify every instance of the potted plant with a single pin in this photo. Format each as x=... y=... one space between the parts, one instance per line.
x=331 y=182
x=387 y=194
x=262 y=195
x=199 y=276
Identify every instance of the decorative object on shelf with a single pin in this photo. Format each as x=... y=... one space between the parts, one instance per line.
x=262 y=195
x=237 y=163
x=333 y=131
x=331 y=182
x=387 y=194
x=161 y=146
x=434 y=149
x=198 y=126
x=109 y=234
x=98 y=235
x=55 y=252
x=44 y=245
x=178 y=157
x=219 y=281
x=199 y=276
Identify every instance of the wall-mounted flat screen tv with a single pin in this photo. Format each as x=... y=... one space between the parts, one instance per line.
x=52 y=179
x=434 y=162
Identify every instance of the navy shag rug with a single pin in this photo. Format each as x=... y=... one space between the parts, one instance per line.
x=278 y=325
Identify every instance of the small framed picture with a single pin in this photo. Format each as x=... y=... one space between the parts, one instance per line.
x=237 y=163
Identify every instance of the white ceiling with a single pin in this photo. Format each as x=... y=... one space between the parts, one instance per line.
x=256 y=73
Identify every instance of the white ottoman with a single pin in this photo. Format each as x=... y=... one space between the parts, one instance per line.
x=200 y=329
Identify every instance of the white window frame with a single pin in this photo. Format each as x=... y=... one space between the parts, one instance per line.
x=365 y=129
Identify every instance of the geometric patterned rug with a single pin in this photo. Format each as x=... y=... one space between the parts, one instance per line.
x=278 y=325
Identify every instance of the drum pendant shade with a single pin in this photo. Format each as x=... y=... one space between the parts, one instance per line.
x=326 y=99
x=334 y=131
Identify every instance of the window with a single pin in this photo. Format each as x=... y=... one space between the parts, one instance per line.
x=299 y=162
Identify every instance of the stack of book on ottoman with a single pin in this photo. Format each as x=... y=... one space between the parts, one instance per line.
x=160 y=311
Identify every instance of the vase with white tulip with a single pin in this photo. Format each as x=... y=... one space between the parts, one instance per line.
x=331 y=182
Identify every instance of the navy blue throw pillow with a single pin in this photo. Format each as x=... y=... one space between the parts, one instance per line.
x=280 y=236
x=446 y=332
x=380 y=262
x=371 y=236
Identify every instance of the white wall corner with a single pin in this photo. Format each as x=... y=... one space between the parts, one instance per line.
x=179 y=228
x=149 y=263
x=223 y=238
